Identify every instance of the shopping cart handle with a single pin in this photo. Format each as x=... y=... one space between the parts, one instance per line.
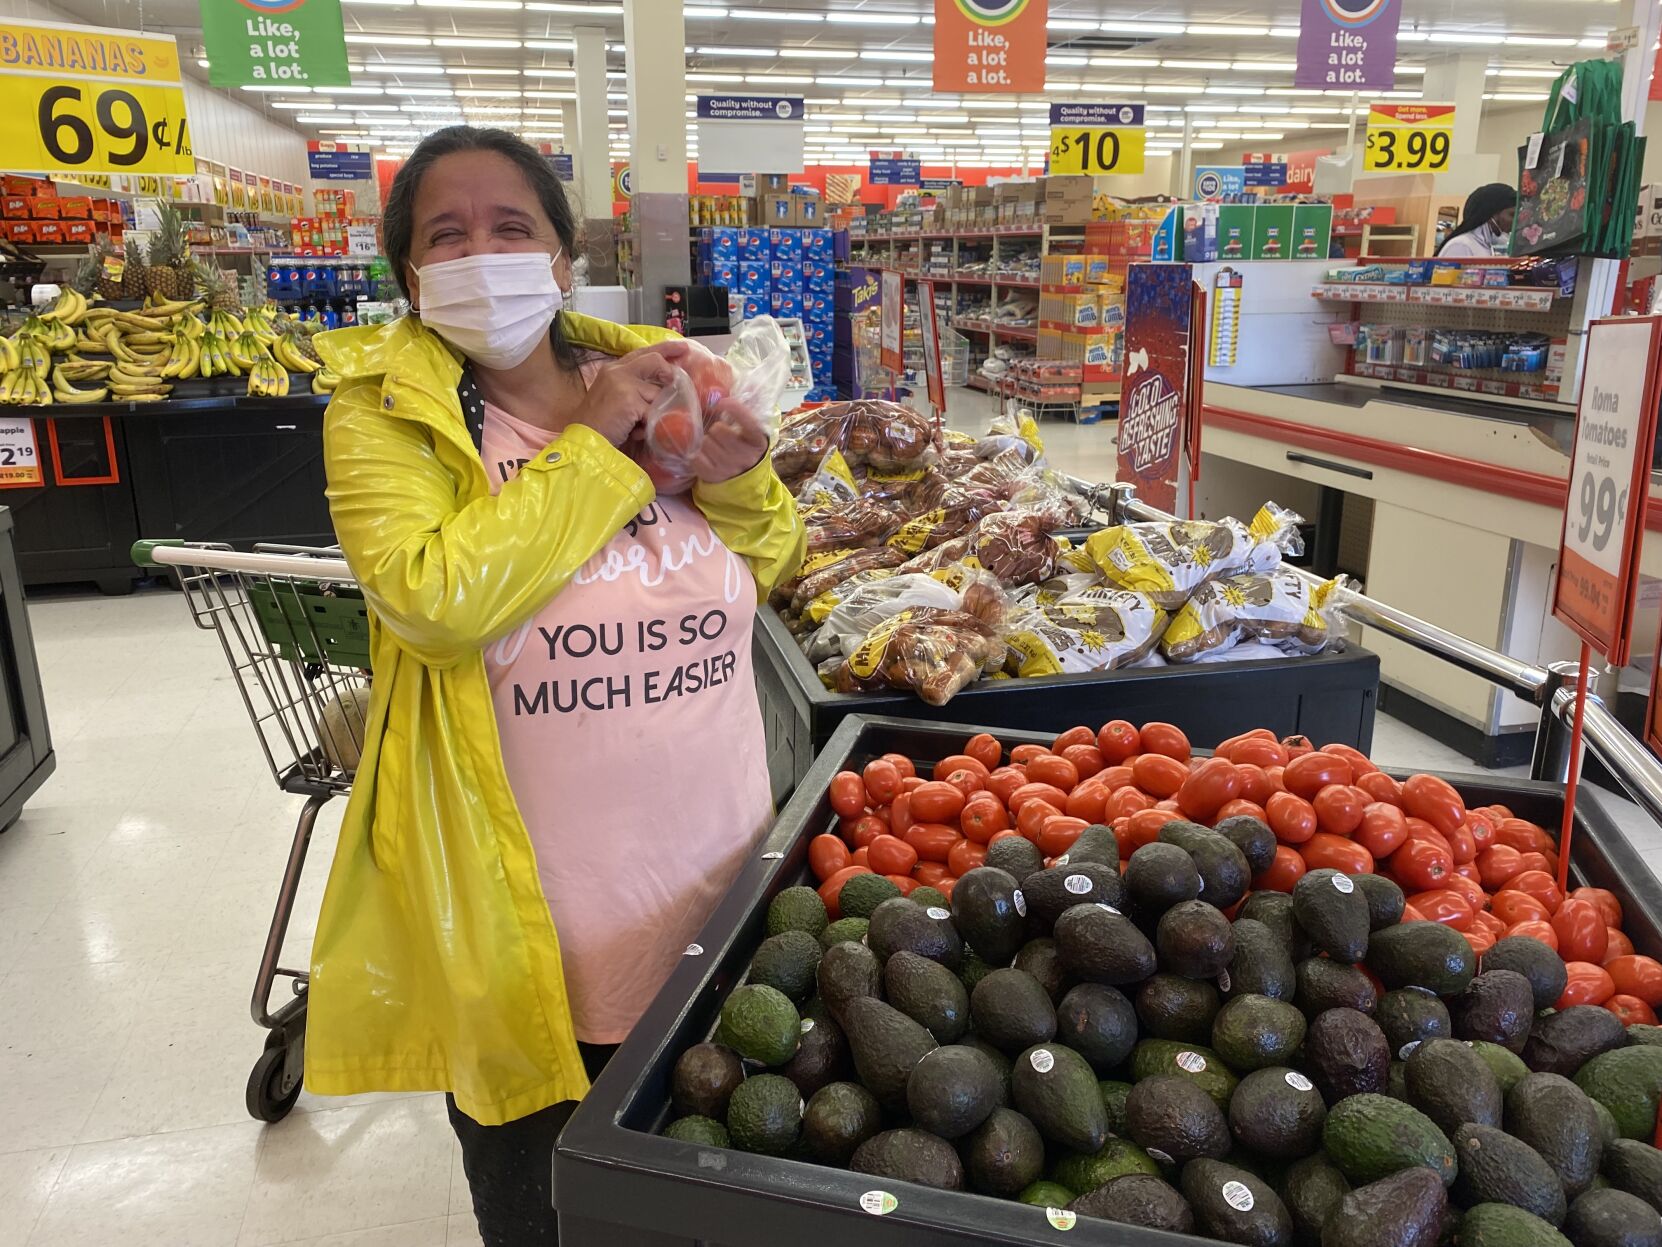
x=142 y=549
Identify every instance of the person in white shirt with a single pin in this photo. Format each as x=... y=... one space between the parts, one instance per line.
x=1485 y=227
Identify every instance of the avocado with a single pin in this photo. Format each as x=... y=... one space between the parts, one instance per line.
x=1158 y=876
x=1178 y=1008
x=1045 y=1195
x=1507 y=1067
x=1255 y=840
x=1612 y=1218
x=1371 y=1137
x=840 y=1116
x=1261 y=965
x=929 y=994
x=1609 y=1131
x=1194 y=940
x=1542 y=966
x=1555 y=1117
x=1098 y=1023
x=990 y=912
x=1040 y=959
x=1421 y=954
x=1628 y=1082
x=1325 y=984
x=1333 y=913
x=1011 y=1011
x=1452 y=1085
x=1396 y=1082
x=845 y=931
x=973 y=970
x=899 y=926
x=1498 y=1006
x=886 y=1044
x=1495 y=1168
x=1346 y=1053
x=702 y=1130
x=1099 y=945
x=1255 y=1032
x=1562 y=1042
x=787 y=962
x=1502 y=1225
x=1056 y=1090
x=1636 y=1168
x=1411 y=1015
x=1204 y=1066
x=999 y=1060
x=1403 y=1210
x=1003 y=1155
x=1082 y=1172
x=1096 y=843
x=1385 y=900
x=1275 y=911
x=1174 y=1121
x=926 y=896
x=860 y=895
x=848 y=972
x=952 y=1090
x=1224 y=873
x=797 y=909
x=1017 y=856
x=765 y=1115
x=1277 y=1113
x=910 y=1155
x=1114 y=1095
x=821 y=1053
x=1051 y=893
x=760 y=1024
x=705 y=1077
x=1138 y=1199
x=1644 y=1033
x=1312 y=1189
x=1235 y=1205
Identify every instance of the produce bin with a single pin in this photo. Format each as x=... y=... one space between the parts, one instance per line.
x=618 y=1183
x=1328 y=697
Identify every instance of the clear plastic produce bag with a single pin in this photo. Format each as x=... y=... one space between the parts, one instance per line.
x=1169 y=560
x=869 y=604
x=1090 y=629
x=937 y=653
x=1281 y=608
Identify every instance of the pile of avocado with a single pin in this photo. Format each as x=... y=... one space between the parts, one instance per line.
x=1111 y=1043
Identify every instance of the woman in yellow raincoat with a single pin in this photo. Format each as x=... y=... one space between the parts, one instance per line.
x=564 y=765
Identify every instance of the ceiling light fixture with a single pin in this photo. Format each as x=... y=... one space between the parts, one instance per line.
x=819 y=54
x=446 y=41
x=470 y=4
x=858 y=17
x=394 y=41
x=1194 y=65
x=588 y=10
x=387 y=67
x=767 y=52
x=1141 y=28
x=773 y=15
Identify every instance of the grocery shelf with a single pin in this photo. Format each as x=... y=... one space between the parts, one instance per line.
x=1499 y=298
x=1016 y=331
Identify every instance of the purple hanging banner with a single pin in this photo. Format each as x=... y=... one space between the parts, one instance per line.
x=1348 y=45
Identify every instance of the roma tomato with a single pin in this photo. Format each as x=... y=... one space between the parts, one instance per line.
x=827 y=854
x=1003 y=782
x=903 y=764
x=1048 y=793
x=1163 y=738
x=986 y=750
x=1089 y=801
x=966 y=781
x=1258 y=751
x=829 y=889
x=1616 y=944
x=905 y=883
x=1588 y=985
x=1118 y=741
x=1030 y=822
x=1115 y=777
x=1481 y=939
x=960 y=762
x=1126 y=802
x=983 y=817
x=1433 y=799
x=1483 y=918
x=1498 y=863
x=1462 y=844
x=932 y=841
x=965 y=856
x=1524 y=836
x=848 y=794
x=945 y=884
x=1207 y=788
x=1240 y=807
x=1542 y=886
x=1293 y=819
x=1158 y=774
x=1297 y=745
x=936 y=802
x=930 y=874
x=1273 y=776
x=1535 y=930
x=861 y=858
x=867 y=828
x=882 y=779
x=1055 y=771
x=1023 y=754
x=1631 y=1009
x=900 y=814
x=1580 y=927
x=1606 y=900
x=890 y=855
x=1419 y=829
x=1086 y=759
x=1339 y=808
x=1381 y=787
x=1255 y=783
x=1073 y=736
x=1057 y=835
x=1360 y=763
x=1482 y=827
x=1327 y=851
x=1420 y=865
x=1287 y=869
x=1383 y=829
x=1468 y=887
x=1309 y=773
x=1512 y=907
x=1637 y=976
x=1468 y=870
x=1444 y=905
x=1540 y=862
x=1142 y=828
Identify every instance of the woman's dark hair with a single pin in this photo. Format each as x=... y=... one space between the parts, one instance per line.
x=398 y=217
x=1482 y=206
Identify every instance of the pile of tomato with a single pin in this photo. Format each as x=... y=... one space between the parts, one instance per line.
x=1480 y=870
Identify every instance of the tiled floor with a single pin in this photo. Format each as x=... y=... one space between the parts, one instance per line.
x=134 y=895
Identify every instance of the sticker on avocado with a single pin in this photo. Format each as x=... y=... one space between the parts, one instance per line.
x=1408 y=1049
x=1061 y=1218
x=878 y=1203
x=1236 y=1195
x=1043 y=1061
x=1298 y=1082
x=1156 y=1154
x=1109 y=908
x=807 y=1025
x=1342 y=883
x=1191 y=1061
x=1020 y=903
x=1077 y=884
x=1223 y=980
x=772 y=857
x=937 y=913
x=694 y=950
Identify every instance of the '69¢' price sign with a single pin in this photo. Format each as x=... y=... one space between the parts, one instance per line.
x=86 y=99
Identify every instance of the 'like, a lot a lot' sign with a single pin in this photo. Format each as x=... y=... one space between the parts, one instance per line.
x=275 y=42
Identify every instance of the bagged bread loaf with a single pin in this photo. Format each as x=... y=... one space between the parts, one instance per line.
x=1169 y=560
x=1097 y=628
x=865 y=606
x=854 y=524
x=1282 y=608
x=935 y=653
x=1012 y=545
x=824 y=577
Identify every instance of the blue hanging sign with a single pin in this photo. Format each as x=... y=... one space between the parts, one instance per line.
x=887 y=171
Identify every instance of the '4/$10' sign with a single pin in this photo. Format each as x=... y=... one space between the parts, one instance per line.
x=275 y=43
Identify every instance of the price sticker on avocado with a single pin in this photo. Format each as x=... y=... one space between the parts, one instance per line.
x=1097 y=138
x=1409 y=138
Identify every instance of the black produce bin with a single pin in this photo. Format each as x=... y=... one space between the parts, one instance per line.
x=1328 y=697
x=26 y=757
x=618 y=1183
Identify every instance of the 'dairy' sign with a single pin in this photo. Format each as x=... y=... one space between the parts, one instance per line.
x=990 y=45
x=283 y=42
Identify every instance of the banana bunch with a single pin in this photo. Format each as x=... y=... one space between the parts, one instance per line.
x=32 y=352
x=247 y=350
x=324 y=381
x=225 y=325
x=138 y=383
x=216 y=358
x=10 y=357
x=64 y=392
x=184 y=360
x=288 y=354
x=70 y=308
x=25 y=386
x=267 y=379
x=259 y=323
x=74 y=368
x=167 y=309
x=53 y=335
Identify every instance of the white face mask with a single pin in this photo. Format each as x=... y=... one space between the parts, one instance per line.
x=495 y=307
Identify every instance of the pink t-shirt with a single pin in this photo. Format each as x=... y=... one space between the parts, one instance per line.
x=633 y=743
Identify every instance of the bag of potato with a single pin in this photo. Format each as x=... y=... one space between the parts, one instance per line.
x=1170 y=559
x=934 y=652
x=1091 y=629
x=1282 y=608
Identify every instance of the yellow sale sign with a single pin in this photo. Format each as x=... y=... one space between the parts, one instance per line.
x=89 y=99
x=1411 y=138
x=1095 y=151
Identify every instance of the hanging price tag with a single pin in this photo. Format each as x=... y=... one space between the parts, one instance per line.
x=1097 y=138
x=19 y=458
x=1414 y=138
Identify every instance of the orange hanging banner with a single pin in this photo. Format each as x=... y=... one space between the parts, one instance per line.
x=990 y=45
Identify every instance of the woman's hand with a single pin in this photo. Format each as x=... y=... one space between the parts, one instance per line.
x=734 y=442
x=625 y=387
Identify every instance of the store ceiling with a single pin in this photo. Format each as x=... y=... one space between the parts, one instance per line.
x=865 y=69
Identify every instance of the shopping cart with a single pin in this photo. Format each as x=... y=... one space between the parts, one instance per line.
x=295 y=630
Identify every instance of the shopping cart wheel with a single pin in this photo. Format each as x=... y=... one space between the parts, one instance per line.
x=274 y=1084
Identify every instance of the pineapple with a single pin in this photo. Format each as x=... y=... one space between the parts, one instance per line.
x=216 y=286
x=167 y=276
x=89 y=273
x=106 y=287
x=132 y=276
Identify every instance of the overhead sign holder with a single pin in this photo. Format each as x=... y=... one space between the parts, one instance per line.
x=299 y=43
x=761 y=133
x=990 y=45
x=1348 y=45
x=894 y=171
x=1097 y=138
x=1409 y=138
x=337 y=162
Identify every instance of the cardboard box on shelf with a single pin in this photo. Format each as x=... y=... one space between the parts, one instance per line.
x=14 y=207
x=79 y=231
x=44 y=209
x=75 y=208
x=807 y=212
x=48 y=232
x=772 y=183
x=1062 y=270
x=34 y=188
x=778 y=210
x=20 y=231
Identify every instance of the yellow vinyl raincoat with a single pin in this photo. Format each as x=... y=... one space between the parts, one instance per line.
x=436 y=965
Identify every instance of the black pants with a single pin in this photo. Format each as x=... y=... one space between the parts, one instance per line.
x=510 y=1168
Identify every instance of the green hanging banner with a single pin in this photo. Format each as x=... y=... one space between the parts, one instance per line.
x=255 y=43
